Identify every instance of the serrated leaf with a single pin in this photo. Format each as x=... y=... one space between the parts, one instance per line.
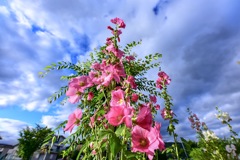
x=120 y=130
x=105 y=133
x=115 y=145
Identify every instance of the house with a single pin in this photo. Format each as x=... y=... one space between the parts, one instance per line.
x=8 y=152
x=43 y=154
x=4 y=148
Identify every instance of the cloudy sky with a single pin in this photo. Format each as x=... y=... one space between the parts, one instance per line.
x=199 y=40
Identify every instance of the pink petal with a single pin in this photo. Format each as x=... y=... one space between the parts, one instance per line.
x=78 y=113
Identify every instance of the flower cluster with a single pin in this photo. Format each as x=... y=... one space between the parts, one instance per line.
x=231 y=149
x=166 y=114
x=213 y=146
x=223 y=116
x=209 y=135
x=196 y=124
x=109 y=79
x=163 y=79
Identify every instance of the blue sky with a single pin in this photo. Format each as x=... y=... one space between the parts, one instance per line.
x=199 y=41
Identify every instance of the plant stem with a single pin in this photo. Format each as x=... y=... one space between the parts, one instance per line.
x=175 y=146
x=98 y=144
x=123 y=142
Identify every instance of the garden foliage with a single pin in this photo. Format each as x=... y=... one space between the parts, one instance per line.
x=116 y=105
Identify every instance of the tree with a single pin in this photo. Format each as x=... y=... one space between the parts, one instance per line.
x=30 y=140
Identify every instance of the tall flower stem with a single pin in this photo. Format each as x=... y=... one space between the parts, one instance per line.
x=123 y=142
x=175 y=146
x=98 y=144
x=171 y=128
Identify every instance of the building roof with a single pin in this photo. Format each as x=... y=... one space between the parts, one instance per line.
x=6 y=146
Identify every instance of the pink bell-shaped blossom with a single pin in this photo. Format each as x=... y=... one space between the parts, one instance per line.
x=144 y=141
x=162 y=79
x=164 y=114
x=144 y=118
x=96 y=66
x=156 y=130
x=153 y=99
x=117 y=98
x=95 y=77
x=118 y=115
x=90 y=96
x=117 y=52
x=92 y=121
x=130 y=58
x=73 y=94
x=73 y=119
x=81 y=83
x=134 y=97
x=131 y=81
x=111 y=72
x=118 y=22
x=157 y=106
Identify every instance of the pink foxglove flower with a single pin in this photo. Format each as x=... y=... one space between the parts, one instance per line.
x=118 y=115
x=117 y=32
x=153 y=99
x=94 y=152
x=112 y=72
x=103 y=64
x=117 y=52
x=91 y=145
x=120 y=69
x=144 y=118
x=134 y=97
x=162 y=79
x=118 y=22
x=110 y=28
x=108 y=74
x=165 y=114
x=73 y=119
x=130 y=58
x=95 y=77
x=131 y=81
x=156 y=130
x=81 y=83
x=90 y=96
x=73 y=94
x=144 y=141
x=191 y=119
x=96 y=66
x=117 y=98
x=157 y=106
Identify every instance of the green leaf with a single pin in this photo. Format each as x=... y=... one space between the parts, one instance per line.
x=115 y=145
x=85 y=145
x=131 y=156
x=119 y=130
x=105 y=133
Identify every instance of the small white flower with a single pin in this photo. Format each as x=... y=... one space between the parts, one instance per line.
x=209 y=135
x=228 y=149
x=223 y=116
x=233 y=147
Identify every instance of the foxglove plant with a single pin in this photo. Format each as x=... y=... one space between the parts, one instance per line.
x=115 y=114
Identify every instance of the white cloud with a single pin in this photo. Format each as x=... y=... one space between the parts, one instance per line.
x=61 y=114
x=173 y=32
x=9 y=130
x=4 y=10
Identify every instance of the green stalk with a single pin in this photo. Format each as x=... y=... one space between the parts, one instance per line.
x=175 y=146
x=123 y=142
x=98 y=144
